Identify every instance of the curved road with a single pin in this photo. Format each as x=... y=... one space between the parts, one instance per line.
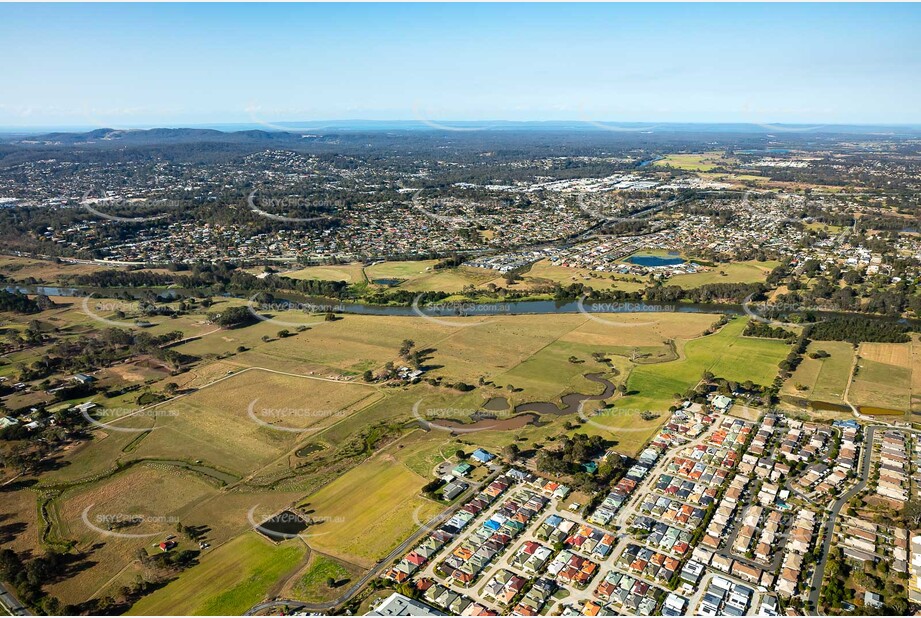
x=867 y=455
x=383 y=563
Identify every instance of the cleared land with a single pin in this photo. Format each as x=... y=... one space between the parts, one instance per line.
x=231 y=579
x=350 y=273
x=362 y=477
x=108 y=506
x=215 y=425
x=825 y=379
x=399 y=270
x=653 y=387
x=695 y=162
x=369 y=510
x=544 y=273
x=736 y=272
x=20 y=269
x=311 y=585
x=884 y=377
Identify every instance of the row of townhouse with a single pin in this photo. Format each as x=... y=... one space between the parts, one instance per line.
x=666 y=510
x=720 y=523
x=444 y=534
x=894 y=466
x=480 y=548
x=649 y=563
x=587 y=540
x=622 y=592
x=455 y=603
x=798 y=544
x=625 y=487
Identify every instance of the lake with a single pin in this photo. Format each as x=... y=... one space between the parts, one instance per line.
x=655 y=260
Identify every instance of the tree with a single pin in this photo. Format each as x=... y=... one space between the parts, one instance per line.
x=911 y=513
x=460 y=454
x=283 y=333
x=368 y=376
x=510 y=452
x=405 y=347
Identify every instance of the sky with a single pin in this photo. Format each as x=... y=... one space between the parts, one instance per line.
x=127 y=65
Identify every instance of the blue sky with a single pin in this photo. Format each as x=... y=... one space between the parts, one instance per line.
x=173 y=64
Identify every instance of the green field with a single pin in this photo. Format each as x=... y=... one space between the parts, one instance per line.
x=350 y=273
x=214 y=424
x=736 y=272
x=362 y=479
x=231 y=579
x=544 y=273
x=825 y=379
x=368 y=510
x=881 y=385
x=726 y=354
x=311 y=586
x=399 y=270
x=695 y=162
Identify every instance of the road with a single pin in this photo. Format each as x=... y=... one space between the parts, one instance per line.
x=383 y=563
x=867 y=455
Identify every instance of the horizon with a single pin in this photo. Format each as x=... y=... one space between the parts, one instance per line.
x=464 y=126
x=144 y=65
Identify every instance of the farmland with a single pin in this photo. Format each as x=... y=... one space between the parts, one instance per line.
x=231 y=579
x=884 y=376
x=272 y=422
x=694 y=162
x=369 y=510
x=824 y=379
x=735 y=272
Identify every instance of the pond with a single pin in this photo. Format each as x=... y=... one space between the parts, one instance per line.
x=283 y=526
x=655 y=260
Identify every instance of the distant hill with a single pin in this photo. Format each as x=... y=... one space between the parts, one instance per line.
x=137 y=137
